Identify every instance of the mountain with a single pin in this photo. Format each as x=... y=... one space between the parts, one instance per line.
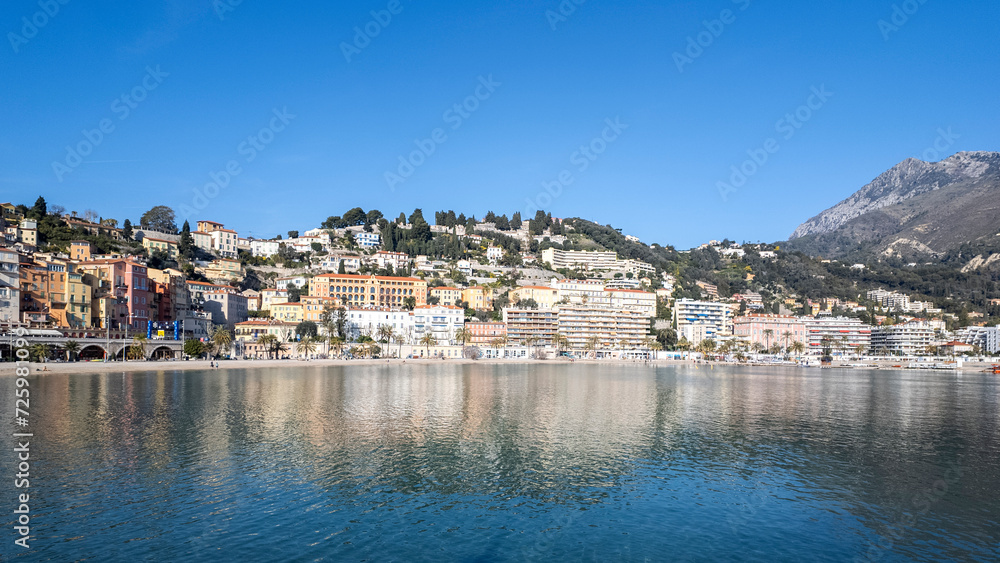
x=916 y=208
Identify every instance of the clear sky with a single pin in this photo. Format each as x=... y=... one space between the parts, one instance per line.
x=180 y=85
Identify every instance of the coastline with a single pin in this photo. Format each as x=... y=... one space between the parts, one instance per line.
x=53 y=368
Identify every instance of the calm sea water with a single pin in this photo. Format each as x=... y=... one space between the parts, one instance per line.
x=511 y=463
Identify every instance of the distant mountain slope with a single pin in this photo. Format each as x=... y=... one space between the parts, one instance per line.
x=915 y=208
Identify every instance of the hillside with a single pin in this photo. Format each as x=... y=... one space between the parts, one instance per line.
x=915 y=209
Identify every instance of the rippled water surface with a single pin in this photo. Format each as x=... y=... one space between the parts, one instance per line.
x=512 y=463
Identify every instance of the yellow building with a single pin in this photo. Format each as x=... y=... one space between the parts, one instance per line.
x=287 y=312
x=153 y=244
x=79 y=250
x=312 y=307
x=369 y=291
x=479 y=297
x=446 y=295
x=271 y=297
x=79 y=301
x=546 y=297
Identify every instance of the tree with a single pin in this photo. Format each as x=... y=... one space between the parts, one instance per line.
x=270 y=343
x=464 y=336
x=410 y=303
x=591 y=346
x=373 y=216
x=39 y=210
x=306 y=329
x=71 y=347
x=515 y=221
x=355 y=217
x=787 y=335
x=798 y=347
x=159 y=218
x=39 y=352
x=427 y=341
x=194 y=348
x=342 y=323
x=137 y=351
x=385 y=333
x=127 y=230
x=307 y=346
x=222 y=340
x=185 y=247
x=768 y=333
x=561 y=341
x=335 y=342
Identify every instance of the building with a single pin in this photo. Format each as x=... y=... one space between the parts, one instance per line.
x=264 y=248
x=643 y=302
x=224 y=243
x=10 y=292
x=439 y=321
x=202 y=240
x=708 y=290
x=546 y=297
x=484 y=333
x=955 y=348
x=700 y=320
x=592 y=327
x=226 y=307
x=288 y=312
x=368 y=240
x=768 y=330
x=494 y=254
x=171 y=294
x=153 y=244
x=253 y=299
x=366 y=322
x=396 y=260
x=478 y=297
x=446 y=295
x=313 y=308
x=79 y=250
x=535 y=325
x=580 y=292
x=914 y=338
x=840 y=334
x=987 y=338
x=593 y=261
x=271 y=297
x=369 y=291
x=293 y=281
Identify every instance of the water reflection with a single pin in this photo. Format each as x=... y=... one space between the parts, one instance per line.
x=514 y=462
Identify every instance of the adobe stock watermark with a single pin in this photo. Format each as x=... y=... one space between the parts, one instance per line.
x=455 y=117
x=901 y=14
x=696 y=44
x=786 y=127
x=250 y=148
x=122 y=107
x=30 y=26
x=364 y=35
x=945 y=139
x=920 y=504
x=563 y=11
x=223 y=7
x=22 y=420
x=581 y=160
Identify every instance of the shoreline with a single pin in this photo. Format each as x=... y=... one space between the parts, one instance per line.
x=7 y=369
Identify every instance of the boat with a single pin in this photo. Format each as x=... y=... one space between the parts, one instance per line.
x=996 y=369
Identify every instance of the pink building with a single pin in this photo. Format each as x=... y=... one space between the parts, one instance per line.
x=751 y=328
x=139 y=295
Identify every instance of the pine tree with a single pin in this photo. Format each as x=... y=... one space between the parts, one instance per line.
x=127 y=230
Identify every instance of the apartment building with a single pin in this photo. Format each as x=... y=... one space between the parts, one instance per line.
x=643 y=302
x=607 y=329
x=271 y=297
x=593 y=261
x=479 y=298
x=839 y=333
x=313 y=307
x=440 y=321
x=10 y=292
x=291 y=281
x=700 y=320
x=907 y=339
x=483 y=333
x=288 y=312
x=446 y=295
x=546 y=296
x=368 y=240
x=768 y=330
x=226 y=307
x=264 y=248
x=538 y=325
x=153 y=244
x=579 y=292
x=369 y=291
x=367 y=322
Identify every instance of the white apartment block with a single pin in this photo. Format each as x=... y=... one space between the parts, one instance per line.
x=700 y=320
x=10 y=294
x=292 y=281
x=264 y=248
x=579 y=292
x=609 y=329
x=839 y=333
x=224 y=242
x=202 y=240
x=494 y=254
x=987 y=338
x=593 y=261
x=907 y=339
x=367 y=322
x=368 y=240
x=398 y=260
x=441 y=321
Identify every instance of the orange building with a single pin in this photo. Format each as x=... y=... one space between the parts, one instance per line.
x=369 y=291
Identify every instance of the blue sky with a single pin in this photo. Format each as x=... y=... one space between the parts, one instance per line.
x=688 y=114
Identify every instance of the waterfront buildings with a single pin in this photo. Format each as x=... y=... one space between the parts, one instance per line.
x=839 y=334
x=369 y=291
x=598 y=328
x=531 y=325
x=439 y=321
x=906 y=339
x=485 y=333
x=767 y=330
x=700 y=320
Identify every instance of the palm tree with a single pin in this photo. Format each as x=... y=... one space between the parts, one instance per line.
x=427 y=341
x=592 y=343
x=137 y=350
x=268 y=342
x=768 y=333
x=706 y=346
x=307 y=346
x=71 y=347
x=798 y=347
x=498 y=343
x=530 y=343
x=464 y=336
x=787 y=335
x=335 y=342
x=39 y=352
x=683 y=344
x=655 y=345
x=399 y=339
x=222 y=340
x=385 y=333
x=560 y=341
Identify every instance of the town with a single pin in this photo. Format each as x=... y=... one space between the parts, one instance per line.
x=364 y=286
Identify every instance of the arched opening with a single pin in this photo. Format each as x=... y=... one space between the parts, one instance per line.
x=162 y=353
x=91 y=352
